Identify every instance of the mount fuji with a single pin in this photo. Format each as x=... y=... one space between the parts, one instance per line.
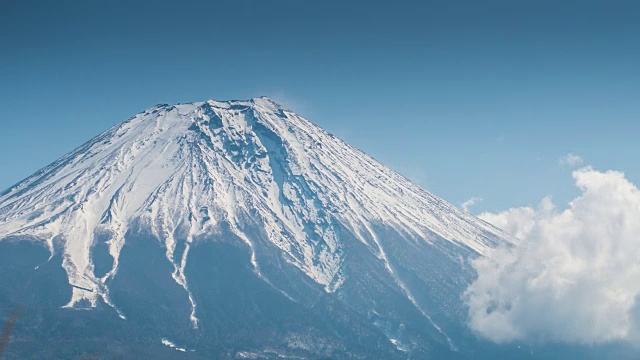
x=233 y=229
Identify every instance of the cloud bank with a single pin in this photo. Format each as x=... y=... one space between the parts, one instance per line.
x=576 y=279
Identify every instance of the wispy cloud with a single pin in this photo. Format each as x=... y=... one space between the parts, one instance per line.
x=466 y=206
x=576 y=279
x=570 y=160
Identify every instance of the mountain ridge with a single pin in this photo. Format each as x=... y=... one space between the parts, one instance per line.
x=287 y=191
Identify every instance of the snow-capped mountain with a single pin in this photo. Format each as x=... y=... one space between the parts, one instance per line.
x=309 y=216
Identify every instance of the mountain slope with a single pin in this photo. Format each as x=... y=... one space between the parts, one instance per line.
x=301 y=212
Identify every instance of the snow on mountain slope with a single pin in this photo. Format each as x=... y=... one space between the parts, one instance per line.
x=184 y=170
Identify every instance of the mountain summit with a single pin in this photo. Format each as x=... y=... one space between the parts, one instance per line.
x=238 y=229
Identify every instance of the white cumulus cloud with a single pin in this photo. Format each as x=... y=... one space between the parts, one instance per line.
x=575 y=279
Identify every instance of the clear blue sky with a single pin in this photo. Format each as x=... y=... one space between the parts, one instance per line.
x=467 y=99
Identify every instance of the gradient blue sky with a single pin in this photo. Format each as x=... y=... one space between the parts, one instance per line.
x=467 y=99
